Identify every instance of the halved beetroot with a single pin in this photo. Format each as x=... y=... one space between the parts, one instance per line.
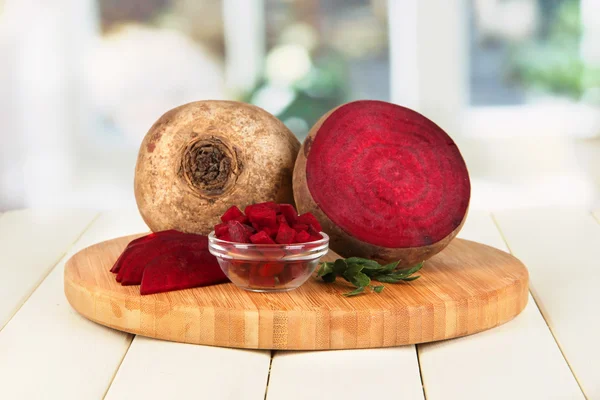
x=183 y=268
x=385 y=182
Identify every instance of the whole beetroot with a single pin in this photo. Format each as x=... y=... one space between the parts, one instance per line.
x=200 y=158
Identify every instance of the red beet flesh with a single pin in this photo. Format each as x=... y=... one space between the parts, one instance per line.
x=261 y=238
x=268 y=223
x=231 y=214
x=136 y=259
x=152 y=237
x=387 y=175
x=168 y=260
x=181 y=269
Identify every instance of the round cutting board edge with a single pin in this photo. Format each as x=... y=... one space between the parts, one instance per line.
x=467 y=288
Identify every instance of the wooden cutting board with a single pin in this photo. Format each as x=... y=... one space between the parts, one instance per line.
x=467 y=288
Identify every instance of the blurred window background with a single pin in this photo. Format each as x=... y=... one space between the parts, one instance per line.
x=515 y=82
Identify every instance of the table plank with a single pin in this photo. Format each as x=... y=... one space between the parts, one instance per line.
x=346 y=374
x=518 y=360
x=31 y=243
x=155 y=369
x=561 y=248
x=48 y=350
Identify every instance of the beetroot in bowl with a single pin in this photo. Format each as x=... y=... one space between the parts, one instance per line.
x=268 y=267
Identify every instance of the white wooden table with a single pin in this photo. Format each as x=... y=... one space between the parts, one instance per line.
x=550 y=351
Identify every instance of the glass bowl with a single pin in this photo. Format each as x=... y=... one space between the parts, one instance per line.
x=268 y=267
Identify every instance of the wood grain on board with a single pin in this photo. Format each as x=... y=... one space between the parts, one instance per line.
x=467 y=288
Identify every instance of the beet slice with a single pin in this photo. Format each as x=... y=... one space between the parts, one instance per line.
x=183 y=268
x=384 y=181
x=261 y=238
x=232 y=213
x=285 y=234
x=135 y=259
x=161 y=235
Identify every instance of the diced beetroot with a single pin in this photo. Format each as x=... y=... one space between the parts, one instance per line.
x=261 y=281
x=291 y=272
x=289 y=212
x=314 y=234
x=309 y=219
x=134 y=259
x=261 y=238
x=300 y=227
x=232 y=213
x=249 y=229
x=285 y=234
x=272 y=232
x=181 y=269
x=270 y=269
x=226 y=237
x=238 y=233
x=221 y=229
x=269 y=204
x=151 y=238
x=239 y=268
x=302 y=237
x=281 y=220
x=263 y=216
x=242 y=218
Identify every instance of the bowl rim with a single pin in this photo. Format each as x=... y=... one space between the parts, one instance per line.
x=212 y=238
